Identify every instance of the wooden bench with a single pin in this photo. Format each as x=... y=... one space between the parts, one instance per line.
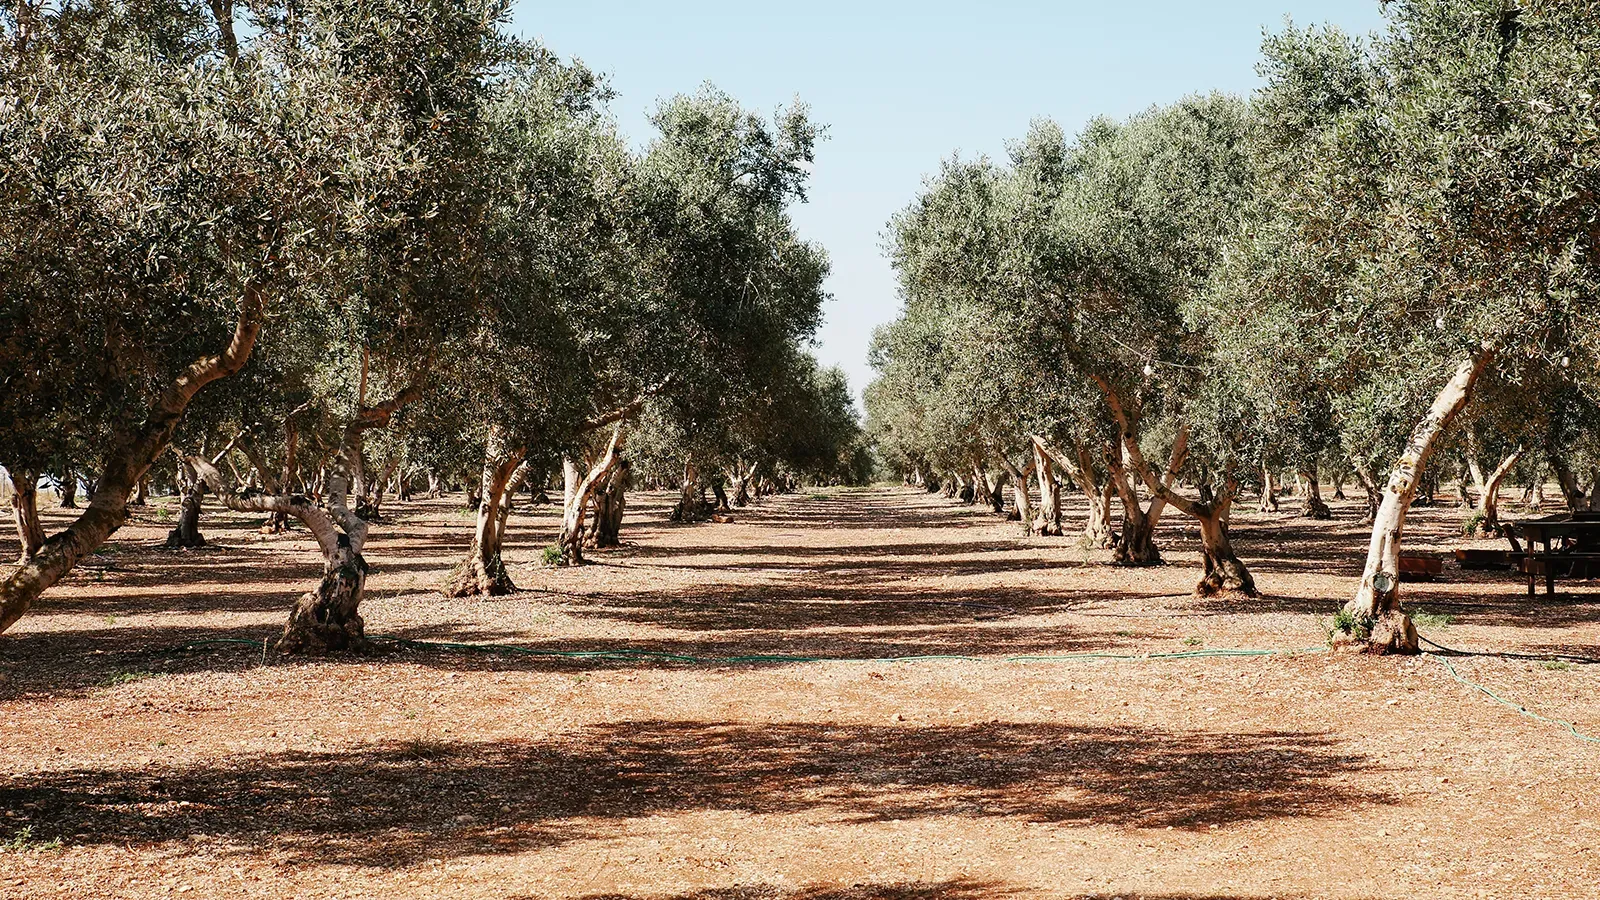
x=1420 y=568
x=1564 y=565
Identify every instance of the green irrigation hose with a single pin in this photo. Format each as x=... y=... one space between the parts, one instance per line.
x=1510 y=705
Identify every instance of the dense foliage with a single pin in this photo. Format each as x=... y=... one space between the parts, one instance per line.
x=1381 y=264
x=328 y=251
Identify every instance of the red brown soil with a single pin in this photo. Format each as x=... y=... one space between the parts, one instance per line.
x=225 y=772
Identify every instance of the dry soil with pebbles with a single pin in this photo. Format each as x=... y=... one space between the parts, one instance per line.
x=138 y=760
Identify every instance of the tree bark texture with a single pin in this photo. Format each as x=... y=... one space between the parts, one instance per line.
x=25 y=508
x=187 y=535
x=579 y=484
x=1047 y=520
x=483 y=573
x=1379 y=622
x=1491 y=492
x=1315 y=507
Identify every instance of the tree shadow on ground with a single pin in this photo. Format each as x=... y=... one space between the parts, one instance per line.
x=74 y=663
x=399 y=802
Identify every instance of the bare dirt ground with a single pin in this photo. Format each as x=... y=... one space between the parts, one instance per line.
x=133 y=767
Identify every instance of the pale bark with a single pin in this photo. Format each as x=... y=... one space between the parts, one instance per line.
x=578 y=488
x=1491 y=492
x=483 y=572
x=1314 y=506
x=980 y=485
x=1269 y=490
x=1476 y=471
x=1047 y=521
x=1225 y=573
x=692 y=505
x=1019 y=479
x=1097 y=531
x=127 y=460
x=328 y=617
x=1380 y=622
x=740 y=478
x=997 y=492
x=1136 y=544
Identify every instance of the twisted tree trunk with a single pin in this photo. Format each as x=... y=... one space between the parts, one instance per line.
x=1369 y=485
x=578 y=488
x=1048 y=520
x=1491 y=493
x=1377 y=620
x=25 y=506
x=1269 y=490
x=997 y=492
x=1315 y=506
x=483 y=573
x=187 y=535
x=1019 y=479
x=610 y=501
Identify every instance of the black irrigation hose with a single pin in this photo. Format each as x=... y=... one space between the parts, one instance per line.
x=629 y=653
x=1507 y=654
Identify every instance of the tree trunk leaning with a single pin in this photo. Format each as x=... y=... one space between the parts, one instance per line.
x=1376 y=619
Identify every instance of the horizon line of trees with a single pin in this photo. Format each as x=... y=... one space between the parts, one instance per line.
x=1381 y=265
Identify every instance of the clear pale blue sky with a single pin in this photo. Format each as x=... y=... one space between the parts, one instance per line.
x=903 y=85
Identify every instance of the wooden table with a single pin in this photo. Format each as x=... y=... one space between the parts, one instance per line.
x=1567 y=543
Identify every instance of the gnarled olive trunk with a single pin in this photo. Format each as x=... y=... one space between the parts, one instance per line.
x=25 y=507
x=610 y=502
x=1315 y=507
x=1136 y=542
x=1269 y=490
x=1377 y=620
x=997 y=493
x=1369 y=485
x=1018 y=479
x=69 y=490
x=1577 y=498
x=1047 y=520
x=576 y=497
x=483 y=573
x=740 y=479
x=981 y=492
x=691 y=506
x=187 y=535
x=1491 y=492
x=1225 y=573
x=1097 y=531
